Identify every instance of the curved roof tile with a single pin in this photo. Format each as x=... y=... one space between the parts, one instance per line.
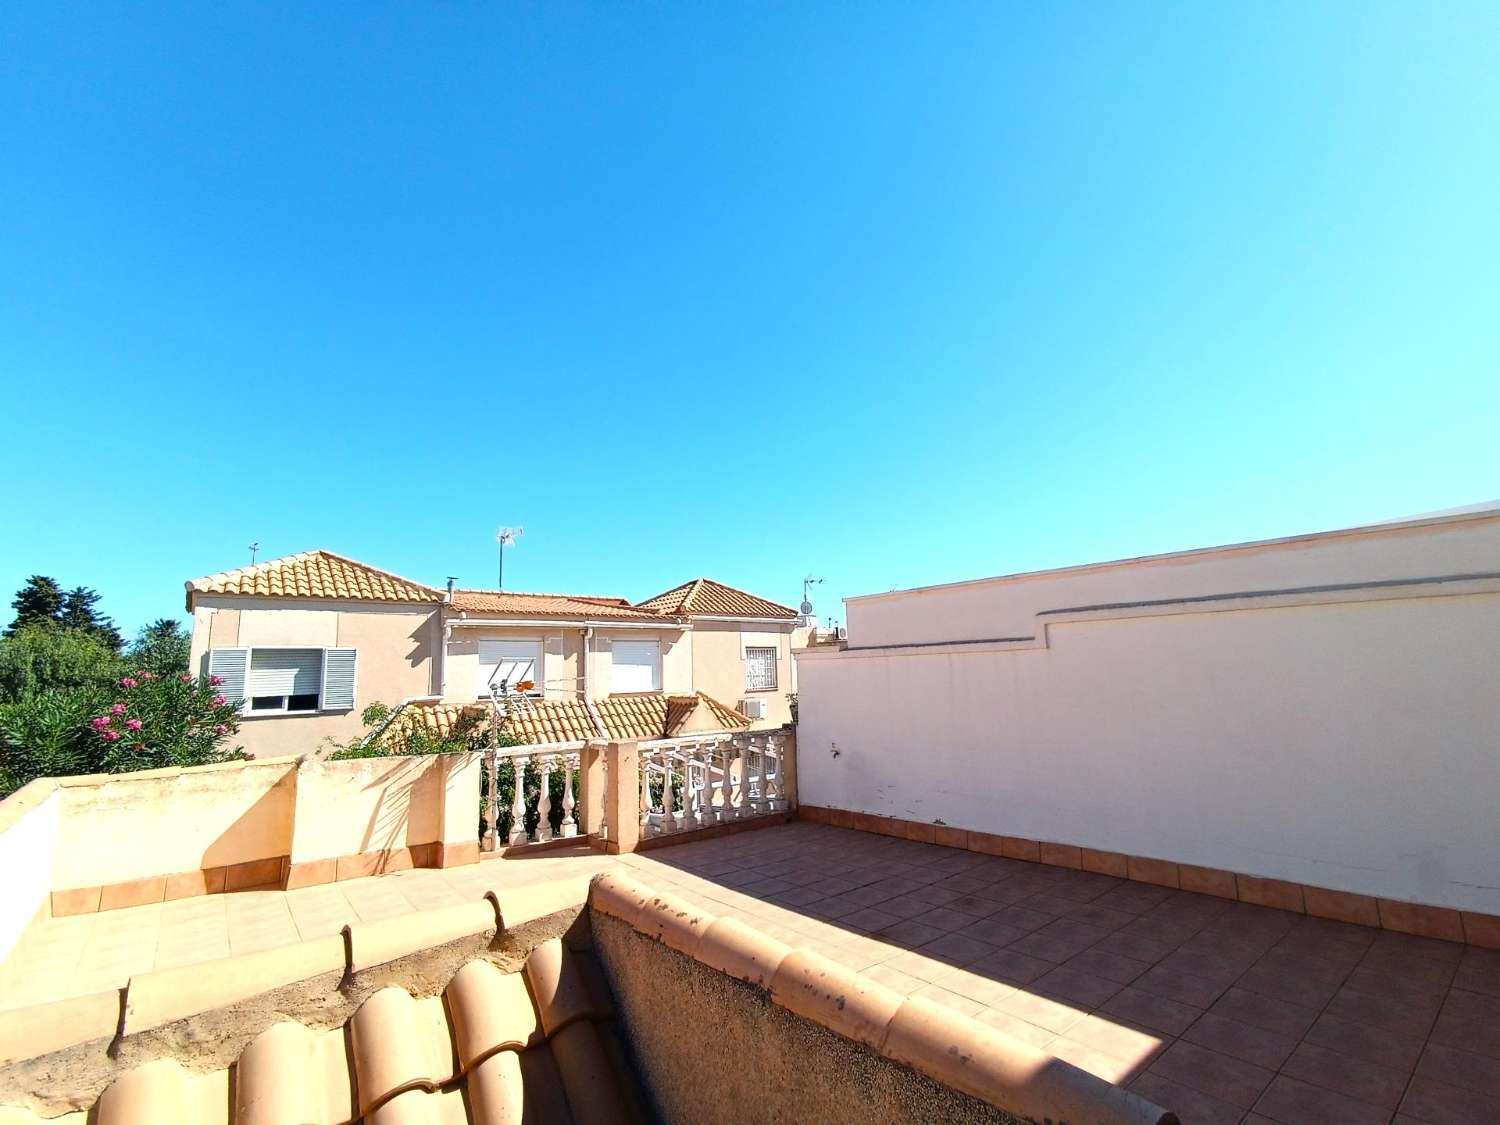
x=705 y=597
x=315 y=574
x=475 y=1053
x=513 y=604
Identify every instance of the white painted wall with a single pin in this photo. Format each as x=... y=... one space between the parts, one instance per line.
x=1352 y=743
x=29 y=821
x=1007 y=606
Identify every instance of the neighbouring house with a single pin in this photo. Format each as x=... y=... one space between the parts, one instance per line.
x=310 y=640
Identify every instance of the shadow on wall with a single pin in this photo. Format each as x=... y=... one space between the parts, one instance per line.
x=262 y=831
x=399 y=787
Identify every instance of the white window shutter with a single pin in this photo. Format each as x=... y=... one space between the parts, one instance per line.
x=338 y=679
x=635 y=666
x=285 y=671
x=232 y=666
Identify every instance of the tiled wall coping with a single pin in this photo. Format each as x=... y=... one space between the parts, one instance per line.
x=274 y=871
x=947 y=1047
x=154 y=999
x=1320 y=902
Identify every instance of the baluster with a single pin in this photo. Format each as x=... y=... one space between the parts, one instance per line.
x=726 y=807
x=492 y=805
x=739 y=806
x=668 y=802
x=544 y=801
x=779 y=798
x=603 y=805
x=518 y=802
x=569 y=826
x=692 y=801
x=646 y=794
x=758 y=749
x=771 y=786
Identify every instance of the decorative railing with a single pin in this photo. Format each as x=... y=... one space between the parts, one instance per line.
x=691 y=783
x=552 y=768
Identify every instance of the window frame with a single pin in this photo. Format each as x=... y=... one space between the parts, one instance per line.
x=658 y=668
x=248 y=709
x=539 y=689
x=775 y=652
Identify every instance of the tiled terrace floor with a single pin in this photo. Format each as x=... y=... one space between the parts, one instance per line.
x=1222 y=1011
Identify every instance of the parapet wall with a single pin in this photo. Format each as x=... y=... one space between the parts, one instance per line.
x=726 y=1024
x=1321 y=714
x=75 y=845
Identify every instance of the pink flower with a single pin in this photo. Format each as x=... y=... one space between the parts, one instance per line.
x=111 y=736
x=221 y=729
x=185 y=678
x=129 y=682
x=134 y=724
x=216 y=680
x=102 y=722
x=148 y=675
x=220 y=701
x=117 y=709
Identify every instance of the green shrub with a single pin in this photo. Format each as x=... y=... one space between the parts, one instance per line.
x=137 y=722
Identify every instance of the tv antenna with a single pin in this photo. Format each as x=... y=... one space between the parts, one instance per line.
x=506 y=537
x=254 y=547
x=807 y=584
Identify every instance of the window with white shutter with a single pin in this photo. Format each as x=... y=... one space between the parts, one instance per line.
x=285 y=680
x=760 y=669
x=232 y=668
x=339 y=665
x=512 y=662
x=635 y=666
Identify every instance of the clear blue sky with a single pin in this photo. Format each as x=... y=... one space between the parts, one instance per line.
x=897 y=294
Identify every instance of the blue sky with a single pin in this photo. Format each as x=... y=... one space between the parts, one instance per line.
x=897 y=294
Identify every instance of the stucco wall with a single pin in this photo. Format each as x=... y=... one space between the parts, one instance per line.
x=713 y=1049
x=719 y=665
x=1353 y=744
x=383 y=804
x=396 y=644
x=29 y=821
x=561 y=671
x=115 y=828
x=1007 y=606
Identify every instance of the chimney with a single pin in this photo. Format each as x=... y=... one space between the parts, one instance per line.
x=451 y=581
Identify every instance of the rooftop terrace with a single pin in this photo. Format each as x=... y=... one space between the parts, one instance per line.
x=1220 y=1010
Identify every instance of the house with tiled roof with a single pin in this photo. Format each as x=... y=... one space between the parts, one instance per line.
x=308 y=641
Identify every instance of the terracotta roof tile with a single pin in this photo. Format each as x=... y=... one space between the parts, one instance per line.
x=704 y=596
x=538 y=722
x=561 y=991
x=315 y=574
x=491 y=1011
x=455 y=1058
x=573 y=606
x=292 y=1073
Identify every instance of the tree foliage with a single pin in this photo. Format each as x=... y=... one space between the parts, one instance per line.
x=138 y=722
x=79 y=611
x=162 y=647
x=41 y=657
x=37 y=602
x=70 y=703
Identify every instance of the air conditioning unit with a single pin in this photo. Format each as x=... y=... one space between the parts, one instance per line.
x=753 y=708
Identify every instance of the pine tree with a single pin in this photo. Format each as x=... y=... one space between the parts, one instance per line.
x=39 y=601
x=78 y=612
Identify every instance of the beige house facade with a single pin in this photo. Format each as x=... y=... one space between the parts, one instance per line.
x=309 y=641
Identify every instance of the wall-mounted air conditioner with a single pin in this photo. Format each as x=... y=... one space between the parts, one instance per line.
x=753 y=708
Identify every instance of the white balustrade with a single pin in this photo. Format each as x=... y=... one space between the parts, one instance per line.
x=689 y=783
x=544 y=765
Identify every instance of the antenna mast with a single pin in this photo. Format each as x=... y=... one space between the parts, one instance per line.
x=505 y=537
